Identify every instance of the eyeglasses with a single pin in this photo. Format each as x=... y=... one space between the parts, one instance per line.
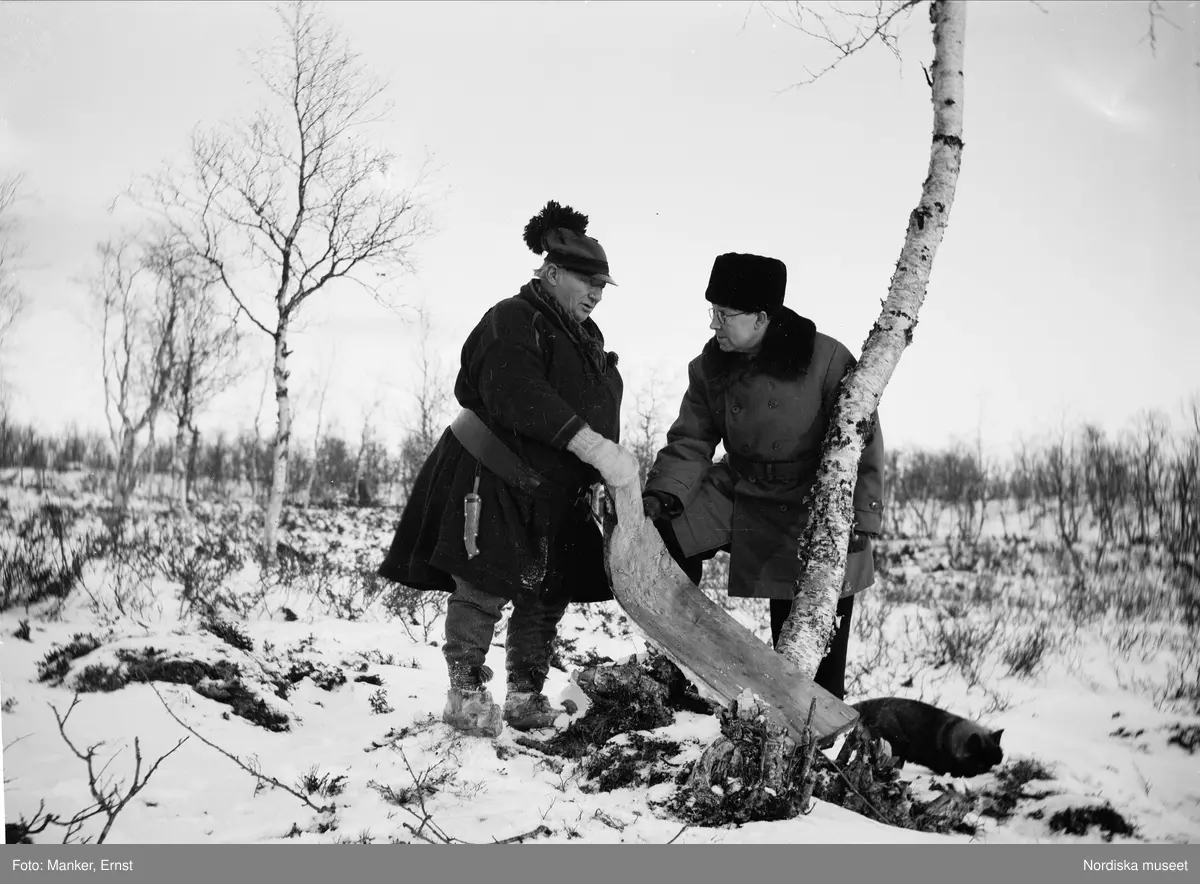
x=723 y=316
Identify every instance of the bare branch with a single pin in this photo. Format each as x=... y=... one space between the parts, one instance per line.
x=140 y=289
x=261 y=778
x=107 y=796
x=538 y=832
x=12 y=299
x=8 y=746
x=867 y=23
x=1157 y=14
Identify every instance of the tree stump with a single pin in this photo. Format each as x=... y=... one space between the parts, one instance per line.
x=753 y=771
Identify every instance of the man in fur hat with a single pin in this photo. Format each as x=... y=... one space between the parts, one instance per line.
x=500 y=511
x=765 y=386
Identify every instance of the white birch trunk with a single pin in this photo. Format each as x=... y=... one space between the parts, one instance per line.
x=126 y=471
x=823 y=544
x=189 y=485
x=312 y=473
x=148 y=455
x=178 y=455
x=279 y=450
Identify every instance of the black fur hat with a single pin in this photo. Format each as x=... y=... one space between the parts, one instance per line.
x=750 y=283
x=560 y=232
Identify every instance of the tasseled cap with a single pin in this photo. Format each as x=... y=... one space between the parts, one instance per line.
x=559 y=231
x=749 y=283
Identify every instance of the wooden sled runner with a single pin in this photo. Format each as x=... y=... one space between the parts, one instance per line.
x=716 y=652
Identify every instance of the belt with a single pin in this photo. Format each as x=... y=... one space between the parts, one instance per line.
x=778 y=470
x=482 y=444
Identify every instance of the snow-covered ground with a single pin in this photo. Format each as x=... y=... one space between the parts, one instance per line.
x=1106 y=706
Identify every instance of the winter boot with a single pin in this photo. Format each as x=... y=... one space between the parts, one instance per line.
x=473 y=712
x=529 y=710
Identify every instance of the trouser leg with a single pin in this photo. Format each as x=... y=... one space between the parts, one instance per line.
x=471 y=618
x=831 y=672
x=531 y=632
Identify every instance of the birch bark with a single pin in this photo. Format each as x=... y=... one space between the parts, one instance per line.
x=823 y=544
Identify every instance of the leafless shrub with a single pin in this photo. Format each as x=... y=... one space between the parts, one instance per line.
x=109 y=798
x=1026 y=654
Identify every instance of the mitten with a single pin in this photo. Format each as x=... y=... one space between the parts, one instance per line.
x=617 y=465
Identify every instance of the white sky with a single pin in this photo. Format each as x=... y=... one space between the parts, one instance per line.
x=1066 y=285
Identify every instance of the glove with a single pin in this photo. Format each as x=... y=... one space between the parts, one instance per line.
x=617 y=465
x=661 y=505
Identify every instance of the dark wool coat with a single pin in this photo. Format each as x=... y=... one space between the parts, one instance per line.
x=535 y=382
x=773 y=406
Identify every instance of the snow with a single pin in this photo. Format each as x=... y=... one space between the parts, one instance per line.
x=1097 y=715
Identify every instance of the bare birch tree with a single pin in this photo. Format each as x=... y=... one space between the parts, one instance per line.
x=360 y=493
x=294 y=200
x=316 y=450
x=431 y=395
x=825 y=539
x=207 y=355
x=644 y=436
x=252 y=445
x=139 y=291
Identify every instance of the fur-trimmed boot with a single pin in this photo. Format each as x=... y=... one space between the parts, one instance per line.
x=473 y=712
x=529 y=710
x=469 y=705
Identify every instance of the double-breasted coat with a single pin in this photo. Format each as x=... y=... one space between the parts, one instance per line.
x=535 y=377
x=770 y=411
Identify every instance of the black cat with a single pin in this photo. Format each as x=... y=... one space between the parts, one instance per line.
x=934 y=738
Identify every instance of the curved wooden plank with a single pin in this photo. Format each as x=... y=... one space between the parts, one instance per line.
x=716 y=652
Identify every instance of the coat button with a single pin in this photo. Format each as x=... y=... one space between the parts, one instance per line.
x=736 y=409
x=783 y=507
x=774 y=446
x=771 y=403
x=654 y=472
x=874 y=504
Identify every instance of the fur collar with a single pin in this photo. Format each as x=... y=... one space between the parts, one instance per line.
x=787 y=350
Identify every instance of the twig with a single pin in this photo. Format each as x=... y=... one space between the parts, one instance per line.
x=421 y=786
x=1157 y=13
x=518 y=839
x=421 y=783
x=108 y=800
x=422 y=836
x=846 y=779
x=677 y=834
x=258 y=776
x=871 y=26
x=8 y=746
x=865 y=801
x=608 y=820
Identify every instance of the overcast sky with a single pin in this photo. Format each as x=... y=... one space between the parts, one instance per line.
x=1066 y=286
